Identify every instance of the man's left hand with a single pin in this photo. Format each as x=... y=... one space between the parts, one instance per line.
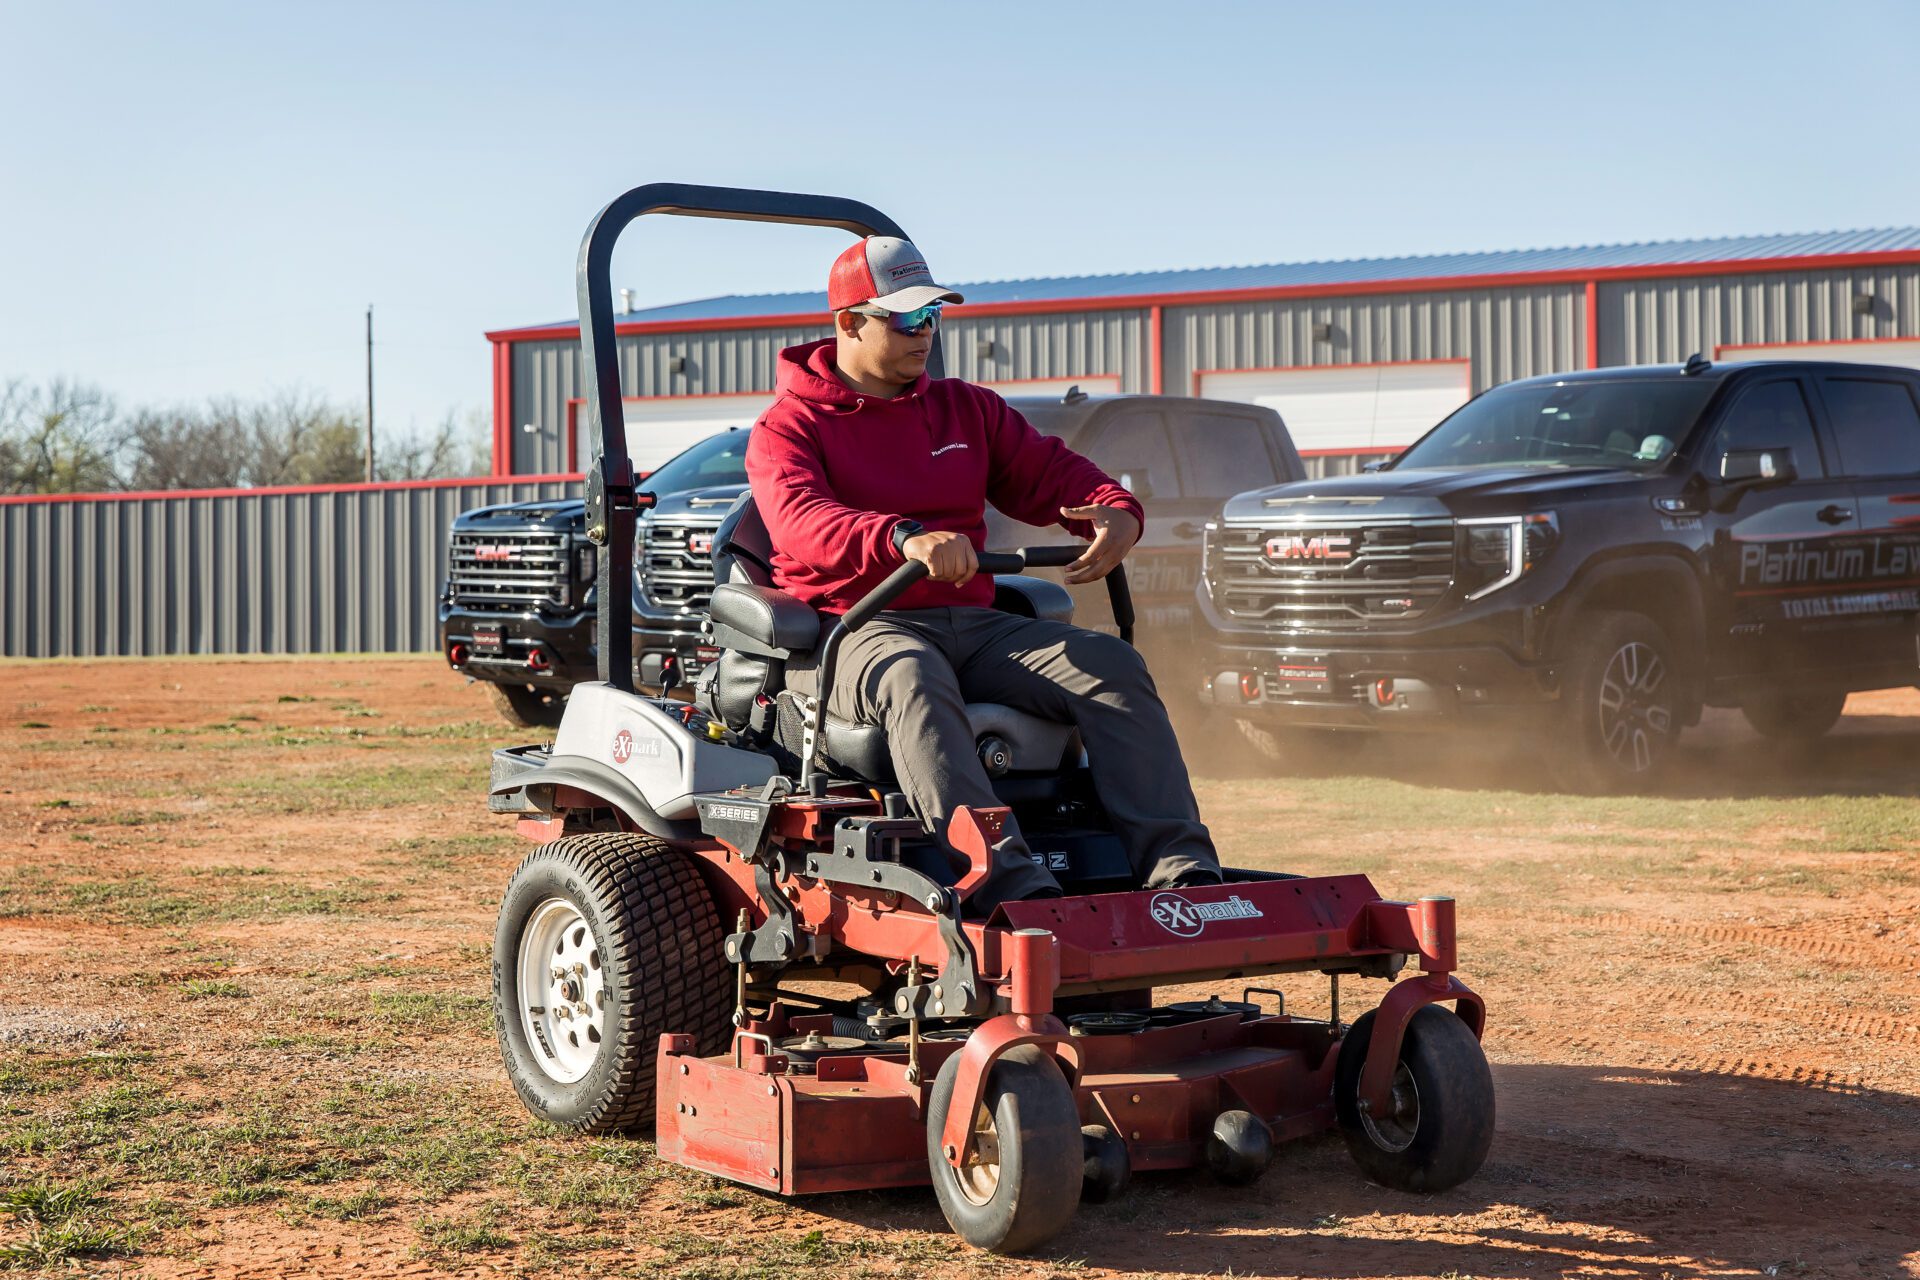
x=1114 y=533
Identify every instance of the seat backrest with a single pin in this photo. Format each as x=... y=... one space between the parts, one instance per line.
x=742 y=547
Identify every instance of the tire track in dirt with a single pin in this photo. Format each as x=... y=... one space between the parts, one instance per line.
x=1614 y=1051
x=1812 y=939
x=1787 y=1008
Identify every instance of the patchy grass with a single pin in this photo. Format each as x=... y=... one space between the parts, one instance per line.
x=63 y=1223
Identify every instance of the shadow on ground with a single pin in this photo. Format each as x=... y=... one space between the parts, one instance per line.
x=1602 y=1170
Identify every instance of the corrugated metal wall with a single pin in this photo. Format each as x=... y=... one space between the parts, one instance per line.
x=1505 y=333
x=1066 y=344
x=343 y=571
x=547 y=374
x=1662 y=321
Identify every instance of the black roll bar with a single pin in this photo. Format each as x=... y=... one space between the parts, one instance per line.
x=613 y=501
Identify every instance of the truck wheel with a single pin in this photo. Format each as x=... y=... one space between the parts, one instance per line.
x=526 y=706
x=604 y=943
x=1795 y=717
x=1441 y=1125
x=1620 y=705
x=1023 y=1184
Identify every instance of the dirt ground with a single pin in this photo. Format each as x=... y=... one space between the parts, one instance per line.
x=246 y=914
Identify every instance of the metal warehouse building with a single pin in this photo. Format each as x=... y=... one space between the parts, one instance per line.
x=1358 y=356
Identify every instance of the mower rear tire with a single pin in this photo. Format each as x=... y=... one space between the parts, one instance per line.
x=621 y=933
x=1441 y=1125
x=1795 y=717
x=1027 y=1188
x=526 y=706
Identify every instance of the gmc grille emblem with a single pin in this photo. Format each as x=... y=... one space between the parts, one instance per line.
x=700 y=543
x=1327 y=547
x=495 y=553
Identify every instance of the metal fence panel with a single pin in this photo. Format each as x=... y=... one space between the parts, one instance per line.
x=348 y=569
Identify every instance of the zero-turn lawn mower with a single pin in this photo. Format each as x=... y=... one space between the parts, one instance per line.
x=737 y=935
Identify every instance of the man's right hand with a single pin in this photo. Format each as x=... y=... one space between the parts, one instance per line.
x=949 y=557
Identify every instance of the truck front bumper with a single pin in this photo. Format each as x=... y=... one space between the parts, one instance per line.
x=1306 y=686
x=544 y=651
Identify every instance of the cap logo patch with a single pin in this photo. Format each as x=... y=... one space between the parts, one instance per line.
x=910 y=269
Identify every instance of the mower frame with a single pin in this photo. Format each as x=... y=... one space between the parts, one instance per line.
x=813 y=879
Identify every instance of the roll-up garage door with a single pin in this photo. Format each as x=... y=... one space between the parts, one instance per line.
x=1348 y=408
x=1904 y=352
x=660 y=427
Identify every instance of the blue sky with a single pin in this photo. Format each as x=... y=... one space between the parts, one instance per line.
x=202 y=199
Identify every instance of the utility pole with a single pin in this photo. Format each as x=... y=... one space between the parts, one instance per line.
x=369 y=393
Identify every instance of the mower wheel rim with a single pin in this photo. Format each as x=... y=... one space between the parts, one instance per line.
x=978 y=1177
x=1395 y=1131
x=1633 y=706
x=562 y=988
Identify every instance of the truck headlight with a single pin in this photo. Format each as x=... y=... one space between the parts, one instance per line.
x=1494 y=551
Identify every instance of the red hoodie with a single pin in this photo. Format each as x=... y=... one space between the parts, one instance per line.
x=834 y=469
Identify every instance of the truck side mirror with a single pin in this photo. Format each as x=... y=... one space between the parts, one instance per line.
x=1754 y=468
x=1138 y=483
x=1744 y=469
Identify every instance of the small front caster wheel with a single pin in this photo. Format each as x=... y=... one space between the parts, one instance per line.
x=1439 y=1128
x=1021 y=1184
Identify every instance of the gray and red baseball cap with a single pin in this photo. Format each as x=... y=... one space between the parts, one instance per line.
x=887 y=272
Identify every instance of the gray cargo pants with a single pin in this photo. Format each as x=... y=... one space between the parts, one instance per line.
x=914 y=671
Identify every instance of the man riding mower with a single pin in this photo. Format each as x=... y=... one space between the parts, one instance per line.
x=889 y=904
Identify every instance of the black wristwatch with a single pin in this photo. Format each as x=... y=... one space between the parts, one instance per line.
x=902 y=531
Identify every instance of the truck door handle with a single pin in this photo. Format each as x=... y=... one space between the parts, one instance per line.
x=1186 y=529
x=1832 y=514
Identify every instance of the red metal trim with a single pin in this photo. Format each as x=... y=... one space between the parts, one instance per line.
x=1593 y=324
x=1463 y=362
x=1414 y=284
x=1725 y=347
x=1156 y=323
x=268 y=491
x=502 y=408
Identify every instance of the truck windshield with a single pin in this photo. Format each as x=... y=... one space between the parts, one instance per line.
x=717 y=460
x=1630 y=423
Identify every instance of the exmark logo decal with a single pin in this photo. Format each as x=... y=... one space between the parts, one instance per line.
x=626 y=746
x=1329 y=547
x=1186 y=918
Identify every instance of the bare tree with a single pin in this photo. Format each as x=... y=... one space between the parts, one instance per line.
x=452 y=449
x=59 y=438
x=184 y=449
x=292 y=437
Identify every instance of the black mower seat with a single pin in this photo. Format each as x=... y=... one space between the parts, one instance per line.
x=762 y=632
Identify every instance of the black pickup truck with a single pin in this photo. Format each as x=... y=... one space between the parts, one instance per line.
x=1593 y=557
x=517 y=605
